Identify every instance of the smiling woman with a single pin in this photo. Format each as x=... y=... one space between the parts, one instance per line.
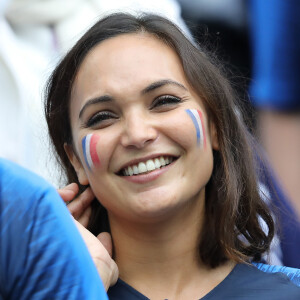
x=142 y=116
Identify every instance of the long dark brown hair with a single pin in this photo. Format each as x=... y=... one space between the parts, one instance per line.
x=233 y=206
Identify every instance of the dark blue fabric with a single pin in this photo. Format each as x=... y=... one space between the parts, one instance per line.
x=289 y=226
x=42 y=254
x=244 y=283
x=275 y=27
x=289 y=233
x=121 y=290
x=292 y=273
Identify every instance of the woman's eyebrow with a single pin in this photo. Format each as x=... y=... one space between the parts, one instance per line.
x=101 y=99
x=148 y=89
x=160 y=83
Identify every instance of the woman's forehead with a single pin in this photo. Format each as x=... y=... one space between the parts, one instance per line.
x=128 y=60
x=121 y=43
x=128 y=51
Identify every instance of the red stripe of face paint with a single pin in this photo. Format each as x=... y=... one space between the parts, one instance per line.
x=93 y=149
x=203 y=130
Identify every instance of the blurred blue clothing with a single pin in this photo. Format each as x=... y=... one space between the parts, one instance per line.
x=42 y=255
x=292 y=273
x=289 y=226
x=275 y=27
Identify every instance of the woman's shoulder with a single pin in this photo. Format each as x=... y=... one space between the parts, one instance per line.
x=263 y=281
x=292 y=274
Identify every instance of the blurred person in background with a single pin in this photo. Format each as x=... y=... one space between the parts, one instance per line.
x=275 y=89
x=42 y=255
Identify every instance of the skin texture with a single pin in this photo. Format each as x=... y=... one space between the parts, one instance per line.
x=155 y=220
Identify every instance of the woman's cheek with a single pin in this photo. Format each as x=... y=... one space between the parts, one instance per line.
x=197 y=119
x=89 y=148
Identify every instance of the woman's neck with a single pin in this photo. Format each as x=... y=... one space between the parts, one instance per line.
x=161 y=259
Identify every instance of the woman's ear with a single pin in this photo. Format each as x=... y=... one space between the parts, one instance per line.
x=214 y=136
x=77 y=165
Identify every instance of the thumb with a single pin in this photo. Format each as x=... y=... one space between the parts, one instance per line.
x=106 y=241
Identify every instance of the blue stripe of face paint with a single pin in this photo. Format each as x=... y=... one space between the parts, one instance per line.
x=195 y=124
x=84 y=151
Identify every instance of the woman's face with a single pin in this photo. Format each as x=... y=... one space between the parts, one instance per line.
x=132 y=111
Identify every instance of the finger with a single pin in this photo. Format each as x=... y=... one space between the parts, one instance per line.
x=106 y=241
x=115 y=273
x=69 y=192
x=81 y=203
x=85 y=217
x=107 y=267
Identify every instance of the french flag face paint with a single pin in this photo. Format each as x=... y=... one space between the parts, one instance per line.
x=197 y=118
x=89 y=144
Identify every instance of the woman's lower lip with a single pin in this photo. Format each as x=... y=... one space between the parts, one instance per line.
x=147 y=177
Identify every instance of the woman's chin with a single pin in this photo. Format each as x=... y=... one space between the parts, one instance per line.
x=154 y=210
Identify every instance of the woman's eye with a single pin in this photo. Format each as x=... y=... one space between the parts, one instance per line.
x=166 y=100
x=103 y=118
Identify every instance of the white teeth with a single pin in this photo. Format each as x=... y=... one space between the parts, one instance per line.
x=162 y=161
x=130 y=171
x=135 y=170
x=142 y=167
x=148 y=166
x=157 y=163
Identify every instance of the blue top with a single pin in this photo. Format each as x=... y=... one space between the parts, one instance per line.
x=275 y=27
x=243 y=282
x=42 y=255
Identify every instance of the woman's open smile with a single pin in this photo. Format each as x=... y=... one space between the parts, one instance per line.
x=147 y=165
x=148 y=169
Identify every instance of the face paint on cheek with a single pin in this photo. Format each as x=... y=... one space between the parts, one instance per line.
x=197 y=118
x=89 y=147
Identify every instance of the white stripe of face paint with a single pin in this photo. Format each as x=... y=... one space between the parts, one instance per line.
x=195 y=113
x=87 y=150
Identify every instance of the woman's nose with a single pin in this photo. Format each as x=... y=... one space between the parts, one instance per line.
x=138 y=132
